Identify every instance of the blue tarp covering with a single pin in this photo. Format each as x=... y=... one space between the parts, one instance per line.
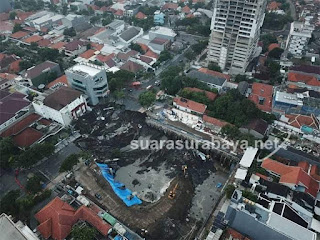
x=118 y=237
x=125 y=193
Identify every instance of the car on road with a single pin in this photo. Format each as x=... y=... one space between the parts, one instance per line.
x=98 y=196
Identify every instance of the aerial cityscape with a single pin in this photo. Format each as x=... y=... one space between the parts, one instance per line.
x=160 y=119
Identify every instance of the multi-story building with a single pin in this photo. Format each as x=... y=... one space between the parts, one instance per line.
x=89 y=79
x=235 y=31
x=298 y=38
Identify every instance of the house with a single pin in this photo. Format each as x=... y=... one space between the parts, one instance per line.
x=213 y=124
x=131 y=34
x=131 y=10
x=140 y=16
x=261 y=95
x=189 y=106
x=63 y=105
x=299 y=123
x=60 y=81
x=75 y=48
x=158 y=18
x=162 y=32
x=20 y=35
x=13 y=106
x=159 y=44
x=304 y=80
x=32 y=39
x=6 y=61
x=132 y=66
x=17 y=231
x=57 y=218
x=170 y=7
x=210 y=95
x=39 y=74
x=78 y=22
x=257 y=127
x=209 y=77
x=295 y=177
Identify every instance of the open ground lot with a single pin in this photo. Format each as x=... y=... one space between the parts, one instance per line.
x=150 y=174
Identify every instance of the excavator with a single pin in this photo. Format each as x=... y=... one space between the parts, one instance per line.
x=184 y=169
x=172 y=193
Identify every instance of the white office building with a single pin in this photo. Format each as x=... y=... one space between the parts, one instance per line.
x=298 y=38
x=235 y=31
x=89 y=79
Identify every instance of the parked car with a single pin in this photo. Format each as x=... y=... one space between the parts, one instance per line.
x=98 y=196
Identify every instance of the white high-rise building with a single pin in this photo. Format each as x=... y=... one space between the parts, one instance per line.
x=300 y=33
x=235 y=31
x=89 y=79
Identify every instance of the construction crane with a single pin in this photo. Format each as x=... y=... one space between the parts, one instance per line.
x=172 y=193
x=184 y=169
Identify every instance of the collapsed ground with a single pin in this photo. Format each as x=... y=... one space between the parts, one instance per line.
x=107 y=133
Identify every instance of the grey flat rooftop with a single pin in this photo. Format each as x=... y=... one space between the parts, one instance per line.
x=207 y=78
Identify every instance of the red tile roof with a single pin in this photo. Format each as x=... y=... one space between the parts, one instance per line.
x=140 y=15
x=119 y=12
x=19 y=35
x=262 y=91
x=34 y=38
x=63 y=80
x=314 y=172
x=19 y=126
x=215 y=73
x=132 y=67
x=192 y=105
x=273 y=46
x=185 y=9
x=144 y=47
x=27 y=137
x=159 y=41
x=190 y=15
x=146 y=59
x=103 y=58
x=215 y=121
x=152 y=54
x=58 y=45
x=15 y=67
x=210 y=95
x=88 y=54
x=96 y=46
x=304 y=165
x=170 y=6
x=57 y=218
x=44 y=43
x=292 y=175
x=306 y=78
x=297 y=120
x=236 y=235
x=273 y=6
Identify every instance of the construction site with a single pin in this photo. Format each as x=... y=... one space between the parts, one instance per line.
x=175 y=190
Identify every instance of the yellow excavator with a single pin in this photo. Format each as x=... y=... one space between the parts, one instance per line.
x=172 y=193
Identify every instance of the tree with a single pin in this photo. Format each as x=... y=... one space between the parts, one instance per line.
x=8 y=151
x=164 y=56
x=199 y=47
x=83 y=233
x=34 y=184
x=12 y=15
x=34 y=46
x=25 y=64
x=94 y=19
x=147 y=98
x=119 y=79
x=214 y=67
x=267 y=39
x=275 y=53
x=69 y=162
x=241 y=78
x=229 y=190
x=64 y=9
x=71 y=32
x=136 y=47
x=16 y=28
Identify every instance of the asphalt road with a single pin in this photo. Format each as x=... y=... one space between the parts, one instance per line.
x=49 y=167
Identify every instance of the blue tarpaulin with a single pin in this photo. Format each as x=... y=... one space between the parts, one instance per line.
x=118 y=187
x=118 y=237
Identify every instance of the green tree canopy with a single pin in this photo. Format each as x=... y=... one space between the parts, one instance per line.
x=16 y=28
x=83 y=233
x=69 y=162
x=214 y=67
x=147 y=98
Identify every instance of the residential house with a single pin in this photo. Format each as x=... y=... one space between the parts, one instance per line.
x=39 y=74
x=75 y=48
x=131 y=10
x=261 y=95
x=214 y=124
x=158 y=18
x=295 y=177
x=130 y=34
x=189 y=106
x=257 y=127
x=132 y=66
x=140 y=16
x=159 y=44
x=162 y=32
x=57 y=218
x=13 y=107
x=211 y=78
x=310 y=81
x=63 y=105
